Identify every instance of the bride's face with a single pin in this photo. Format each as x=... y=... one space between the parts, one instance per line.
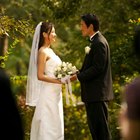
x=52 y=35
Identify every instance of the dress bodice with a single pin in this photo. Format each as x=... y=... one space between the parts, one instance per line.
x=52 y=63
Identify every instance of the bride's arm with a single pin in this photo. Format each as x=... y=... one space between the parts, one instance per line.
x=42 y=58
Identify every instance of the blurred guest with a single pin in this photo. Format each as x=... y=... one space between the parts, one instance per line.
x=129 y=119
x=11 y=123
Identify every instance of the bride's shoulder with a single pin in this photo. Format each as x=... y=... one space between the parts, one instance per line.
x=44 y=50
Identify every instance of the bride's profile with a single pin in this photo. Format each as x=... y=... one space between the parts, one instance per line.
x=43 y=90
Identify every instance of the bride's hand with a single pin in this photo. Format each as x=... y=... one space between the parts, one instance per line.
x=58 y=81
x=65 y=79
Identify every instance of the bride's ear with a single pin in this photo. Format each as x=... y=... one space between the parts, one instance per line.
x=45 y=34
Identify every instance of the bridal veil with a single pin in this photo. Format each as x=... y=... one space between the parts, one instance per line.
x=33 y=84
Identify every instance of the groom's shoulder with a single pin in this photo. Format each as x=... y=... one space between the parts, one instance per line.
x=98 y=38
x=101 y=37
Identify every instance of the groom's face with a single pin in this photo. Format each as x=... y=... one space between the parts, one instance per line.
x=84 y=29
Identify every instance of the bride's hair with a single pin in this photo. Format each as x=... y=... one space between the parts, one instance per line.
x=47 y=28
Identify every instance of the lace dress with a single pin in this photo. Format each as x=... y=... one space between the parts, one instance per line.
x=47 y=123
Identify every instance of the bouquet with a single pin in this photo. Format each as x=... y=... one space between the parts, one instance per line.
x=65 y=69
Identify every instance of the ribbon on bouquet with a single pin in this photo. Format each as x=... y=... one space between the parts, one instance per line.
x=69 y=92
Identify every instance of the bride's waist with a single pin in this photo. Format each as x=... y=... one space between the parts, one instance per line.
x=52 y=87
x=49 y=84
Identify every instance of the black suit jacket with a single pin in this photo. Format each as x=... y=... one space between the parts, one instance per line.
x=95 y=75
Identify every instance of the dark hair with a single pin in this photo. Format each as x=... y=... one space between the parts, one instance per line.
x=91 y=19
x=47 y=28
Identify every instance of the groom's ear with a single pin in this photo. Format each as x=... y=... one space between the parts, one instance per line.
x=91 y=27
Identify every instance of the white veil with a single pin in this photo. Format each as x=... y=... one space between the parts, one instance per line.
x=33 y=84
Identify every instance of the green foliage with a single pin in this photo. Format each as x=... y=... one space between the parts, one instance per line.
x=135 y=22
x=62 y=10
x=76 y=123
x=16 y=30
x=118 y=19
x=9 y=51
x=113 y=120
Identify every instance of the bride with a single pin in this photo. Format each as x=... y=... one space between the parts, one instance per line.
x=43 y=89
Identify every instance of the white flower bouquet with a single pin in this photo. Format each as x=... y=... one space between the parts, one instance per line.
x=64 y=70
x=63 y=73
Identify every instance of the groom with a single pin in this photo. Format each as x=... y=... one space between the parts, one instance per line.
x=95 y=78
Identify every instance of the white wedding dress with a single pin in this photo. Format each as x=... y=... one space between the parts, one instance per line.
x=48 y=123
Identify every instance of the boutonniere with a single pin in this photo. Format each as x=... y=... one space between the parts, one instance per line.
x=87 y=49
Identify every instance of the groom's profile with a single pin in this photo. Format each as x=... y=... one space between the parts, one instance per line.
x=96 y=79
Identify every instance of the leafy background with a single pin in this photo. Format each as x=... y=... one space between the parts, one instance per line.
x=19 y=18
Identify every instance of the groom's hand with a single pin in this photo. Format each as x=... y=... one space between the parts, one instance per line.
x=73 y=77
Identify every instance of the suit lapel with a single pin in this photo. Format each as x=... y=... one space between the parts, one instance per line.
x=91 y=42
x=95 y=36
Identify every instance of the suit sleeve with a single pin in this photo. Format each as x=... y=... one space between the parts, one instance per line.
x=99 y=57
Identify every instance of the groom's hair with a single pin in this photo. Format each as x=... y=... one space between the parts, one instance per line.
x=91 y=19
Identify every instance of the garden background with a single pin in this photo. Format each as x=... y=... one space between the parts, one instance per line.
x=118 y=20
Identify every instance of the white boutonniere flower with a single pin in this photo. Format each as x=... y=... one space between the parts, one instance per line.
x=87 y=49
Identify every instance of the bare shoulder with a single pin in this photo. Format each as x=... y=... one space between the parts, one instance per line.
x=43 y=52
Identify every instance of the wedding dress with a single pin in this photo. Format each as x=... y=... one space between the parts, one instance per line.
x=47 y=123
